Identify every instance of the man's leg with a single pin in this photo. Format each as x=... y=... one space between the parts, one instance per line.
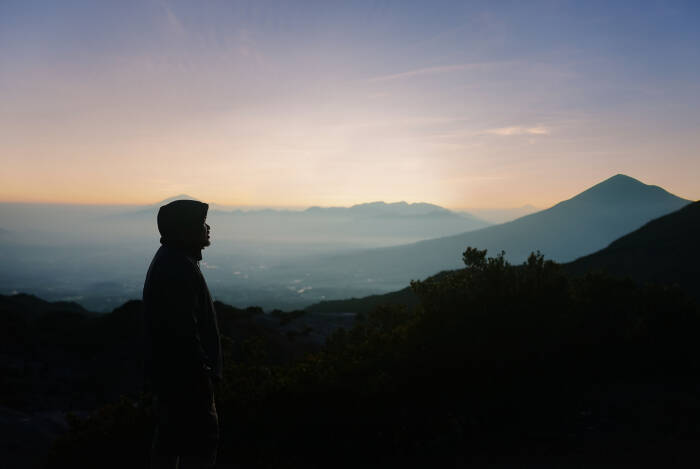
x=196 y=462
x=205 y=442
x=162 y=456
x=203 y=458
x=185 y=438
x=164 y=448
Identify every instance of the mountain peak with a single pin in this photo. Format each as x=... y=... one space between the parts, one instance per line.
x=620 y=180
x=402 y=203
x=619 y=177
x=174 y=198
x=390 y=209
x=620 y=188
x=398 y=208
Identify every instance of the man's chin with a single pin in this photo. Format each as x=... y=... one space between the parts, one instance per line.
x=206 y=243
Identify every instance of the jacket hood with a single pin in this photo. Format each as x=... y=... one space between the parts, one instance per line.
x=180 y=223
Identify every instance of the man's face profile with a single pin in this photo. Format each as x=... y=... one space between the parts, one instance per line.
x=204 y=238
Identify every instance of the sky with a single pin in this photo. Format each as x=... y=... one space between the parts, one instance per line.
x=292 y=104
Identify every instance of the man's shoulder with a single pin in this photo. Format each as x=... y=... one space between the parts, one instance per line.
x=170 y=262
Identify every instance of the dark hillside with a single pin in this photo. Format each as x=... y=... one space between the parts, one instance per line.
x=366 y=304
x=497 y=366
x=30 y=305
x=56 y=357
x=665 y=250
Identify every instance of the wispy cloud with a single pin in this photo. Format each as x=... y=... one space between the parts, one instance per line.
x=518 y=130
x=433 y=71
x=247 y=47
x=173 y=22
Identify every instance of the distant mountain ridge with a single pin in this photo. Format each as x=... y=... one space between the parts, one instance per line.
x=575 y=227
x=31 y=305
x=363 y=226
x=289 y=259
x=372 y=207
x=663 y=251
x=384 y=208
x=363 y=210
x=174 y=198
x=368 y=224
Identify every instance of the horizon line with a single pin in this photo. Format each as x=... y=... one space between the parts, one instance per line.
x=267 y=207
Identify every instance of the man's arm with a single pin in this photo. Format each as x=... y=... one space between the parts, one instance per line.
x=178 y=326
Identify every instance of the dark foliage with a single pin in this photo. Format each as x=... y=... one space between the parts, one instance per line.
x=497 y=364
x=367 y=304
x=58 y=356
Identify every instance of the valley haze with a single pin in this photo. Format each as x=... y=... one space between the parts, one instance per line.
x=98 y=255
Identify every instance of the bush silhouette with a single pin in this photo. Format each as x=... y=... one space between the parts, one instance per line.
x=497 y=363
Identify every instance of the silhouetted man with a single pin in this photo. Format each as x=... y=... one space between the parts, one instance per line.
x=184 y=351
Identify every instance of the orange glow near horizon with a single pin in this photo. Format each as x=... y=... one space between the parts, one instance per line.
x=336 y=107
x=223 y=161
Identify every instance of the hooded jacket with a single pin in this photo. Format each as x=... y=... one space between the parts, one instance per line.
x=182 y=334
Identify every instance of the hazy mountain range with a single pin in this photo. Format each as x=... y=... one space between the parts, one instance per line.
x=287 y=259
x=570 y=229
x=664 y=251
x=362 y=225
x=370 y=224
x=98 y=255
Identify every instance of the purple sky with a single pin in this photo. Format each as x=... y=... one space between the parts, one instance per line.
x=462 y=104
